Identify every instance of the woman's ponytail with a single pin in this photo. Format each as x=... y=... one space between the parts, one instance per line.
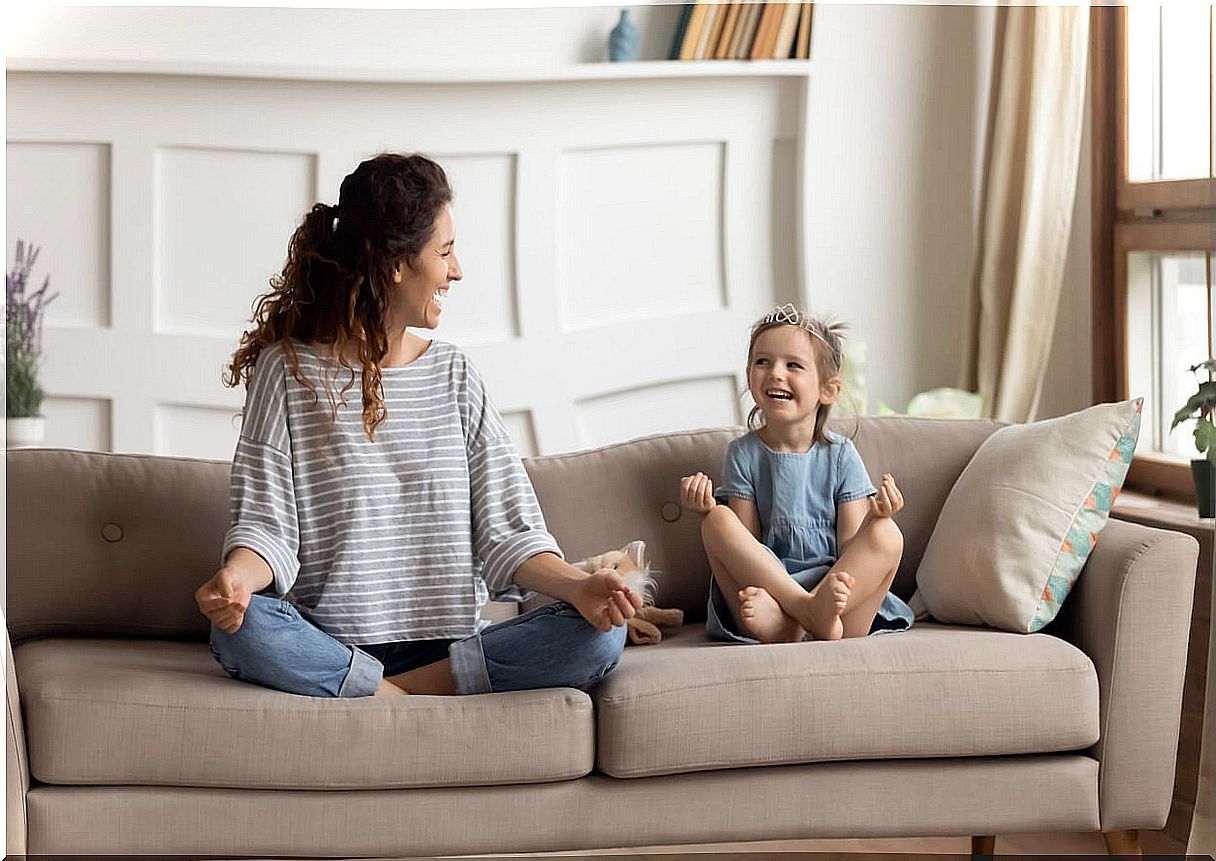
x=279 y=314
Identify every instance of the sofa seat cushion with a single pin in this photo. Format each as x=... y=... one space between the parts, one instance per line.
x=689 y=704
x=159 y=712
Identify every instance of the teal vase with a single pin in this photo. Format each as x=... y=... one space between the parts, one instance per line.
x=623 y=40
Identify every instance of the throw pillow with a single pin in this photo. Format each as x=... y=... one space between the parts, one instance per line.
x=1024 y=516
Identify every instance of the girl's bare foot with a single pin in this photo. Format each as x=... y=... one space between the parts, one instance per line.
x=819 y=613
x=388 y=689
x=764 y=620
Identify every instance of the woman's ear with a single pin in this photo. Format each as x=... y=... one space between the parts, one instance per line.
x=397 y=274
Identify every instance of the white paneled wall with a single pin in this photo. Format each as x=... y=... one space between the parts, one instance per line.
x=220 y=215
x=63 y=189
x=655 y=202
x=78 y=422
x=682 y=405
x=485 y=209
x=617 y=235
x=885 y=177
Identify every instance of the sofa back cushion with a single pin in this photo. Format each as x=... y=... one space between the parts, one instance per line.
x=116 y=544
x=111 y=544
x=926 y=457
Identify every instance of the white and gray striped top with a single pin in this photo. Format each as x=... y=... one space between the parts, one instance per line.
x=391 y=540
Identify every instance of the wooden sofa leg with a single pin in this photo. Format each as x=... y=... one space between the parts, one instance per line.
x=1122 y=842
x=983 y=845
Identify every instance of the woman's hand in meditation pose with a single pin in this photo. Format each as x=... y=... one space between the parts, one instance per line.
x=604 y=600
x=225 y=597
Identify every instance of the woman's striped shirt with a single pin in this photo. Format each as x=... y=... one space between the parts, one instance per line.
x=404 y=538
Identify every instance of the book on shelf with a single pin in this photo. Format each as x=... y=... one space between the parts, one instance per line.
x=766 y=33
x=802 y=50
x=722 y=51
x=692 y=33
x=713 y=29
x=681 y=29
x=745 y=31
x=783 y=47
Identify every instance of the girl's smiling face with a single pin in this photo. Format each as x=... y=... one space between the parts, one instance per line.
x=783 y=376
x=421 y=289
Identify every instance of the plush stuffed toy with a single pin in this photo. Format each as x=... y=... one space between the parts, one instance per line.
x=630 y=560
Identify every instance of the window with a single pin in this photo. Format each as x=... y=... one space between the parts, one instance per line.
x=1154 y=222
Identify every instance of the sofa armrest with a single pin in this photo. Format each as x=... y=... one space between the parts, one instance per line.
x=1131 y=613
x=17 y=773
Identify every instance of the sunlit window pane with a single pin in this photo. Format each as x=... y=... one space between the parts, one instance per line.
x=1169 y=89
x=1169 y=322
x=1143 y=40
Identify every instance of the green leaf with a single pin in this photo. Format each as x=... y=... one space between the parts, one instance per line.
x=1204 y=431
x=1205 y=365
x=1200 y=404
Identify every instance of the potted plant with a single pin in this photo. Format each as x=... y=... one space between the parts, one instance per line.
x=1201 y=407
x=25 y=424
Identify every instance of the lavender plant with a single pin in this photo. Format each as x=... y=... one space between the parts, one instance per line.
x=23 y=335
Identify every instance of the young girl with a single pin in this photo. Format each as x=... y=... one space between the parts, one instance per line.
x=804 y=545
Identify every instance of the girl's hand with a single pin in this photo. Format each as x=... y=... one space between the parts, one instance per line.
x=697 y=493
x=604 y=600
x=888 y=501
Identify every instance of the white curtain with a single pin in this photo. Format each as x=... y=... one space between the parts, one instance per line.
x=1030 y=181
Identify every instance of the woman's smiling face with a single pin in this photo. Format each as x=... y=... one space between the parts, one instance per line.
x=421 y=288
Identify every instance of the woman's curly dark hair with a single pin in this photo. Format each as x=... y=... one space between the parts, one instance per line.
x=337 y=284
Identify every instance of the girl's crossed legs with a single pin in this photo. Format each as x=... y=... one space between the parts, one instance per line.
x=770 y=606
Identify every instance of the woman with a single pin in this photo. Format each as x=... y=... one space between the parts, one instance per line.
x=368 y=533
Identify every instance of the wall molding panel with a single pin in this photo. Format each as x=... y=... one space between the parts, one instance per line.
x=669 y=406
x=62 y=190
x=219 y=227
x=640 y=232
x=616 y=234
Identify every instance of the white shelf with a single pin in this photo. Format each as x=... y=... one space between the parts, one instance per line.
x=652 y=69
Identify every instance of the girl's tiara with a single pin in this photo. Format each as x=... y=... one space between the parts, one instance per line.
x=788 y=315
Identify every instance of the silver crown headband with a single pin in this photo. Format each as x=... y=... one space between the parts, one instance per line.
x=788 y=315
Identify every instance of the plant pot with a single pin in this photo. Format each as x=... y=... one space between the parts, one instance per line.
x=23 y=432
x=1204 y=474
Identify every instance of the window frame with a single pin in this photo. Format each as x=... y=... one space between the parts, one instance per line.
x=1161 y=215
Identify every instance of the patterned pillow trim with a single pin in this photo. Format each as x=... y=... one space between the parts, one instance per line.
x=1087 y=524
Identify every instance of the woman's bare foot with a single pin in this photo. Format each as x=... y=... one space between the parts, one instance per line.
x=388 y=689
x=764 y=620
x=819 y=613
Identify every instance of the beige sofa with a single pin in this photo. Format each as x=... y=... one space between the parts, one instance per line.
x=124 y=736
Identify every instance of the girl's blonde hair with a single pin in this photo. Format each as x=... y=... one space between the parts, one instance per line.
x=827 y=342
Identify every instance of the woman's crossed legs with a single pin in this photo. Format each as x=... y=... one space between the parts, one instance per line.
x=552 y=646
